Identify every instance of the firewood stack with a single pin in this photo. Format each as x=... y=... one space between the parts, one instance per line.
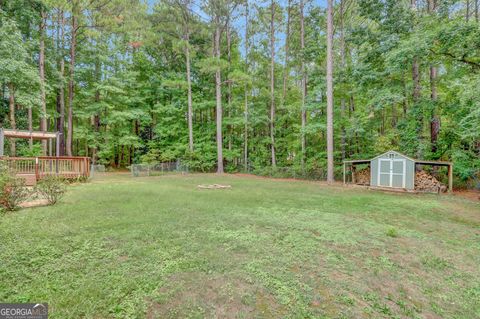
x=427 y=183
x=362 y=177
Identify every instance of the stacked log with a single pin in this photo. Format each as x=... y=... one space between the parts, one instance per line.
x=427 y=183
x=362 y=177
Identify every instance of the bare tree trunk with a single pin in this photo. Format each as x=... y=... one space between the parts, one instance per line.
x=330 y=168
x=416 y=101
x=476 y=11
x=71 y=84
x=96 y=117
x=272 y=82
x=467 y=13
x=13 y=124
x=43 y=112
x=229 y=85
x=342 y=61
x=416 y=80
x=304 y=84
x=405 y=96
x=245 y=129
x=434 y=119
x=287 y=45
x=30 y=126
x=61 y=87
x=189 y=91
x=218 y=97
x=416 y=97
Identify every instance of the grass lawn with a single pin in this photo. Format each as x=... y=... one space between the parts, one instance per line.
x=158 y=247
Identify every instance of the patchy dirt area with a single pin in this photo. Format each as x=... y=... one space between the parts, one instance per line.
x=191 y=294
x=34 y=203
x=468 y=193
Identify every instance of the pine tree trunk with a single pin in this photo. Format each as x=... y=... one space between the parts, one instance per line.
x=416 y=96
x=189 y=92
x=405 y=96
x=61 y=87
x=467 y=13
x=13 y=124
x=476 y=11
x=96 y=117
x=71 y=84
x=416 y=102
x=218 y=97
x=330 y=168
x=287 y=46
x=245 y=129
x=304 y=85
x=434 y=119
x=30 y=126
x=229 y=86
x=43 y=111
x=272 y=83
x=342 y=61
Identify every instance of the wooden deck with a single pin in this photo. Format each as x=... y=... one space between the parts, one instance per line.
x=34 y=169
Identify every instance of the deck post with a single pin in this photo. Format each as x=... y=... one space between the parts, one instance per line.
x=450 y=178
x=36 y=169
x=57 y=142
x=2 y=141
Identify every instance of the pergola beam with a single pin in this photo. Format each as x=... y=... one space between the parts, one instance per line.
x=33 y=135
x=36 y=135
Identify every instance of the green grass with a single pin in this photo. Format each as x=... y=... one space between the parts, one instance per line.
x=158 y=247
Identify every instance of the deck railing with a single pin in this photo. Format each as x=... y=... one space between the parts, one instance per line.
x=64 y=166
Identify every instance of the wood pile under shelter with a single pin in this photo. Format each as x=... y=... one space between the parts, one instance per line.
x=362 y=177
x=428 y=183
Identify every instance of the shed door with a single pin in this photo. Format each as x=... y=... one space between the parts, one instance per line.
x=391 y=172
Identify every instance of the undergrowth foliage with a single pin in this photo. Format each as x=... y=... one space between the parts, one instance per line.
x=12 y=189
x=52 y=188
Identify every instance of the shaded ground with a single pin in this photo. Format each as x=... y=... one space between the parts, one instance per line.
x=158 y=247
x=469 y=194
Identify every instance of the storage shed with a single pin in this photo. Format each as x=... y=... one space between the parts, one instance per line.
x=392 y=170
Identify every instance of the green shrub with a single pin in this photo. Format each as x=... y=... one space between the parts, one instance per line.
x=12 y=189
x=52 y=188
x=12 y=192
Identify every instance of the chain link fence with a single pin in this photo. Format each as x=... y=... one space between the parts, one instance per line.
x=157 y=169
x=291 y=172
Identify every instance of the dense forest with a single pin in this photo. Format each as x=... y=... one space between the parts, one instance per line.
x=235 y=85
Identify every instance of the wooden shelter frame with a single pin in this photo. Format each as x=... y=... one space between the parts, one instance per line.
x=31 y=135
x=350 y=166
